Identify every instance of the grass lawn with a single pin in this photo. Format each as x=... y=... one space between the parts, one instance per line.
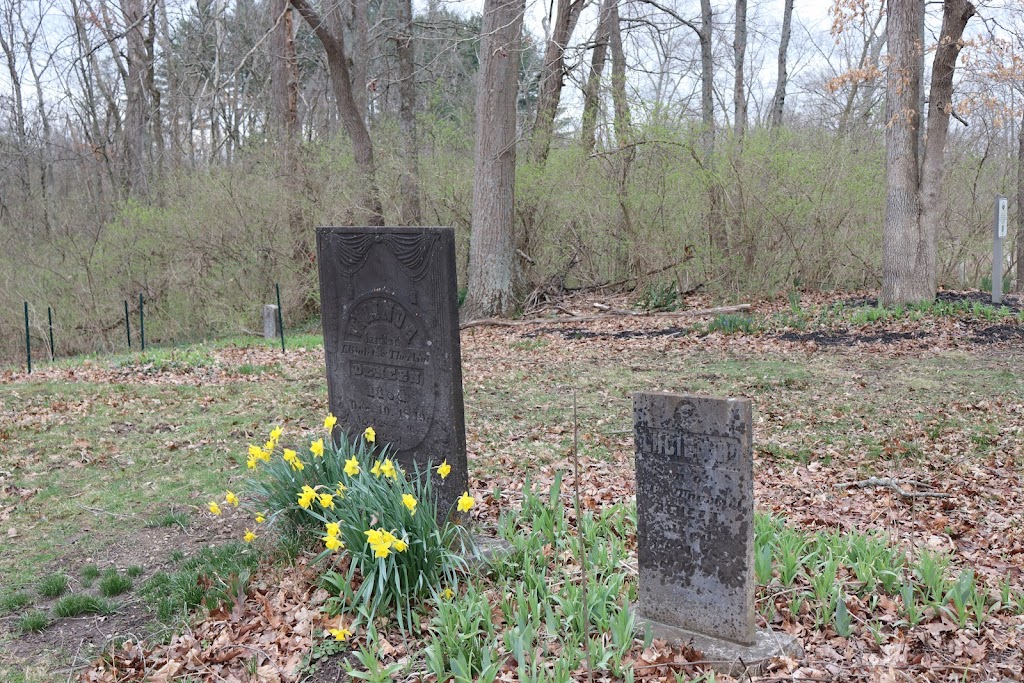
x=106 y=466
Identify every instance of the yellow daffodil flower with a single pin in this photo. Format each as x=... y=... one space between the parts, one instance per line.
x=231 y=498
x=260 y=518
x=330 y=421
x=333 y=543
x=255 y=451
x=381 y=551
x=374 y=537
x=306 y=497
x=292 y=458
x=275 y=434
x=265 y=454
x=444 y=469
x=270 y=446
x=387 y=468
x=317 y=448
x=340 y=634
x=214 y=508
x=400 y=545
x=370 y=435
x=409 y=502
x=447 y=593
x=333 y=529
x=249 y=536
x=339 y=491
x=466 y=502
x=326 y=500
x=352 y=466
x=375 y=470
x=251 y=463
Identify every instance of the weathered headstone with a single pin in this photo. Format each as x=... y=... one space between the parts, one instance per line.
x=695 y=525
x=270 y=328
x=389 y=303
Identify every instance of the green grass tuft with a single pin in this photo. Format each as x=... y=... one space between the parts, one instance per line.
x=53 y=586
x=168 y=519
x=12 y=602
x=77 y=604
x=113 y=584
x=33 y=621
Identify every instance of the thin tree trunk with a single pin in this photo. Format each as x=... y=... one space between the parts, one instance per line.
x=370 y=211
x=779 y=100
x=592 y=93
x=492 y=266
x=553 y=77
x=739 y=48
x=717 y=231
x=410 y=211
x=1020 y=206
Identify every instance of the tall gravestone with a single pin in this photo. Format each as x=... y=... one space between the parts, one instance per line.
x=389 y=303
x=695 y=526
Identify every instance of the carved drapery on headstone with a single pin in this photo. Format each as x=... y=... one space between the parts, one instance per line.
x=391 y=339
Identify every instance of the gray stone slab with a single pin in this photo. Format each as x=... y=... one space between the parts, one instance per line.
x=270 y=327
x=695 y=514
x=389 y=304
x=725 y=656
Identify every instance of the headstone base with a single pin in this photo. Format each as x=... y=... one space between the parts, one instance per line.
x=723 y=656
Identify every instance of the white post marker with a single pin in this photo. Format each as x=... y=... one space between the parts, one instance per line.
x=999 y=234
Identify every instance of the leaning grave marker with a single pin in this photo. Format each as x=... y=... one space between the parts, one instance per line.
x=388 y=298
x=695 y=527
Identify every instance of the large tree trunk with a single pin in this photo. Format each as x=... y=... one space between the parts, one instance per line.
x=370 y=211
x=592 y=93
x=779 y=100
x=553 y=77
x=285 y=81
x=914 y=206
x=739 y=49
x=623 y=122
x=407 y=115
x=136 y=116
x=492 y=264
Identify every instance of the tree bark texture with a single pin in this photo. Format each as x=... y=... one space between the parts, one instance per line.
x=718 y=234
x=914 y=206
x=592 y=93
x=779 y=99
x=370 y=211
x=407 y=114
x=623 y=122
x=492 y=265
x=136 y=115
x=739 y=49
x=285 y=70
x=553 y=77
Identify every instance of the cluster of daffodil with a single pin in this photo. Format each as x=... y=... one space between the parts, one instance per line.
x=357 y=499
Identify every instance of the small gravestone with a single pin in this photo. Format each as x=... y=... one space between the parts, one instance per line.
x=389 y=304
x=695 y=527
x=270 y=327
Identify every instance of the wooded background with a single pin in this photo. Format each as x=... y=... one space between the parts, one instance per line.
x=186 y=150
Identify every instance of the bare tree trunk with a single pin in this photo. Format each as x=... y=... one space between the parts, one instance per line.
x=623 y=122
x=914 y=204
x=592 y=93
x=739 y=48
x=410 y=211
x=136 y=115
x=492 y=264
x=20 y=128
x=779 y=100
x=955 y=15
x=358 y=60
x=553 y=77
x=717 y=231
x=1020 y=206
x=370 y=211
x=285 y=81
